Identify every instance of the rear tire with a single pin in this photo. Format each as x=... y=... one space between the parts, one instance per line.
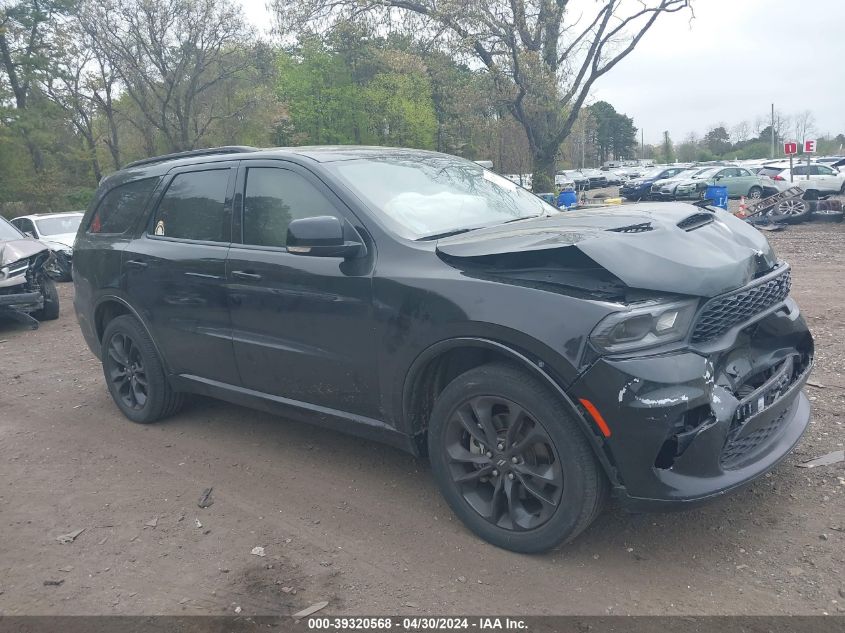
x=755 y=193
x=526 y=479
x=134 y=373
x=50 y=310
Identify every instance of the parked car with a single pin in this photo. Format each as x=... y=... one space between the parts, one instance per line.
x=815 y=179
x=640 y=188
x=562 y=181
x=664 y=189
x=419 y=299
x=658 y=185
x=596 y=178
x=738 y=180
x=57 y=231
x=27 y=293
x=581 y=181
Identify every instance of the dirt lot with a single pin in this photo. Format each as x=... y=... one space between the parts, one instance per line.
x=361 y=525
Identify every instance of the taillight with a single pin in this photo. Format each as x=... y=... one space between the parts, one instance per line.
x=778 y=177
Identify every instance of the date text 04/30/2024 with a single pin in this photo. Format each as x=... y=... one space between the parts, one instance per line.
x=417 y=623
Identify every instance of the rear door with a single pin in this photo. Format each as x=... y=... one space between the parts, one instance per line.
x=303 y=325
x=829 y=180
x=174 y=272
x=729 y=177
x=744 y=180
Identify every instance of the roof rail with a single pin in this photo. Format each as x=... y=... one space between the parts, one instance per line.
x=227 y=149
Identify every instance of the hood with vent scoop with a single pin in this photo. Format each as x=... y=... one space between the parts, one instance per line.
x=664 y=247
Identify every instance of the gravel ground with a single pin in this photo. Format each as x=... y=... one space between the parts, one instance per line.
x=361 y=525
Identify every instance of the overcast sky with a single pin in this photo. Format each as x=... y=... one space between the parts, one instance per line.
x=730 y=63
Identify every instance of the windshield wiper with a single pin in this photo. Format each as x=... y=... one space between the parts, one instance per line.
x=437 y=236
x=527 y=217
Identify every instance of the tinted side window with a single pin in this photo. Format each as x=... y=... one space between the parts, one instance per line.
x=800 y=170
x=118 y=211
x=273 y=198
x=194 y=207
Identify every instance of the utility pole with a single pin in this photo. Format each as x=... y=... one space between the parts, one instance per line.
x=773 y=131
x=642 y=144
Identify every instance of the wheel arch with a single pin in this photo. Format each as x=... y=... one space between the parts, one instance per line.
x=111 y=306
x=440 y=363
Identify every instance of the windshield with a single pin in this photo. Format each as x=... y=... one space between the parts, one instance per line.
x=58 y=225
x=706 y=173
x=653 y=173
x=423 y=197
x=8 y=231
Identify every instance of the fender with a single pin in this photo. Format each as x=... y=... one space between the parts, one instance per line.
x=111 y=297
x=536 y=368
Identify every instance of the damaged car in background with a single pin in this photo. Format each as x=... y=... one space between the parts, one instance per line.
x=541 y=360
x=27 y=293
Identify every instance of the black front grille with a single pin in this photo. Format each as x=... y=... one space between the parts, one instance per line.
x=738 y=447
x=722 y=313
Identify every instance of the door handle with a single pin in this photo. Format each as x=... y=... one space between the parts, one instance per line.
x=242 y=274
x=135 y=263
x=203 y=276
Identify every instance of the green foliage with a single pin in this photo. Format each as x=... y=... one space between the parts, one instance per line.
x=332 y=99
x=615 y=134
x=717 y=141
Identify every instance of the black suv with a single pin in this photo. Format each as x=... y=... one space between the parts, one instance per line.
x=540 y=359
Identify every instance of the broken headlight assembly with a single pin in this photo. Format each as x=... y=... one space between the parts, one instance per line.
x=645 y=326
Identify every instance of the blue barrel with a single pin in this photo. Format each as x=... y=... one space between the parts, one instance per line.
x=567 y=199
x=718 y=194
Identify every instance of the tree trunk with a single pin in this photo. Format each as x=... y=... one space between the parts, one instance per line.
x=543 y=170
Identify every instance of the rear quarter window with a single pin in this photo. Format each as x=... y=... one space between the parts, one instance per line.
x=121 y=207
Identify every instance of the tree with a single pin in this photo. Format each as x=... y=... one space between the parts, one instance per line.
x=543 y=58
x=667 y=150
x=615 y=133
x=170 y=55
x=27 y=29
x=381 y=97
x=688 y=150
x=741 y=132
x=804 y=125
x=717 y=140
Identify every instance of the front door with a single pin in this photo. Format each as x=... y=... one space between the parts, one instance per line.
x=175 y=272
x=302 y=324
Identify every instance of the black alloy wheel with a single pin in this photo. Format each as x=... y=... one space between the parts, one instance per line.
x=504 y=463
x=135 y=374
x=511 y=460
x=125 y=370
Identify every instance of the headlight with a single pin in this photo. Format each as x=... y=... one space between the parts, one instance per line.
x=644 y=326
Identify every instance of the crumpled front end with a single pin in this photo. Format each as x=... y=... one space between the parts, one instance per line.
x=688 y=425
x=23 y=265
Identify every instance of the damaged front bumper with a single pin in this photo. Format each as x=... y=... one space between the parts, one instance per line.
x=693 y=424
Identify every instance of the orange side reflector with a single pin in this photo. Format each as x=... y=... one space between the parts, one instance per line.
x=589 y=406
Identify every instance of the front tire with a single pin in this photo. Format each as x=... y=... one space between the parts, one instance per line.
x=511 y=462
x=50 y=310
x=134 y=373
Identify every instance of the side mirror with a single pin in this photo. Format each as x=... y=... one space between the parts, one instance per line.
x=321 y=236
